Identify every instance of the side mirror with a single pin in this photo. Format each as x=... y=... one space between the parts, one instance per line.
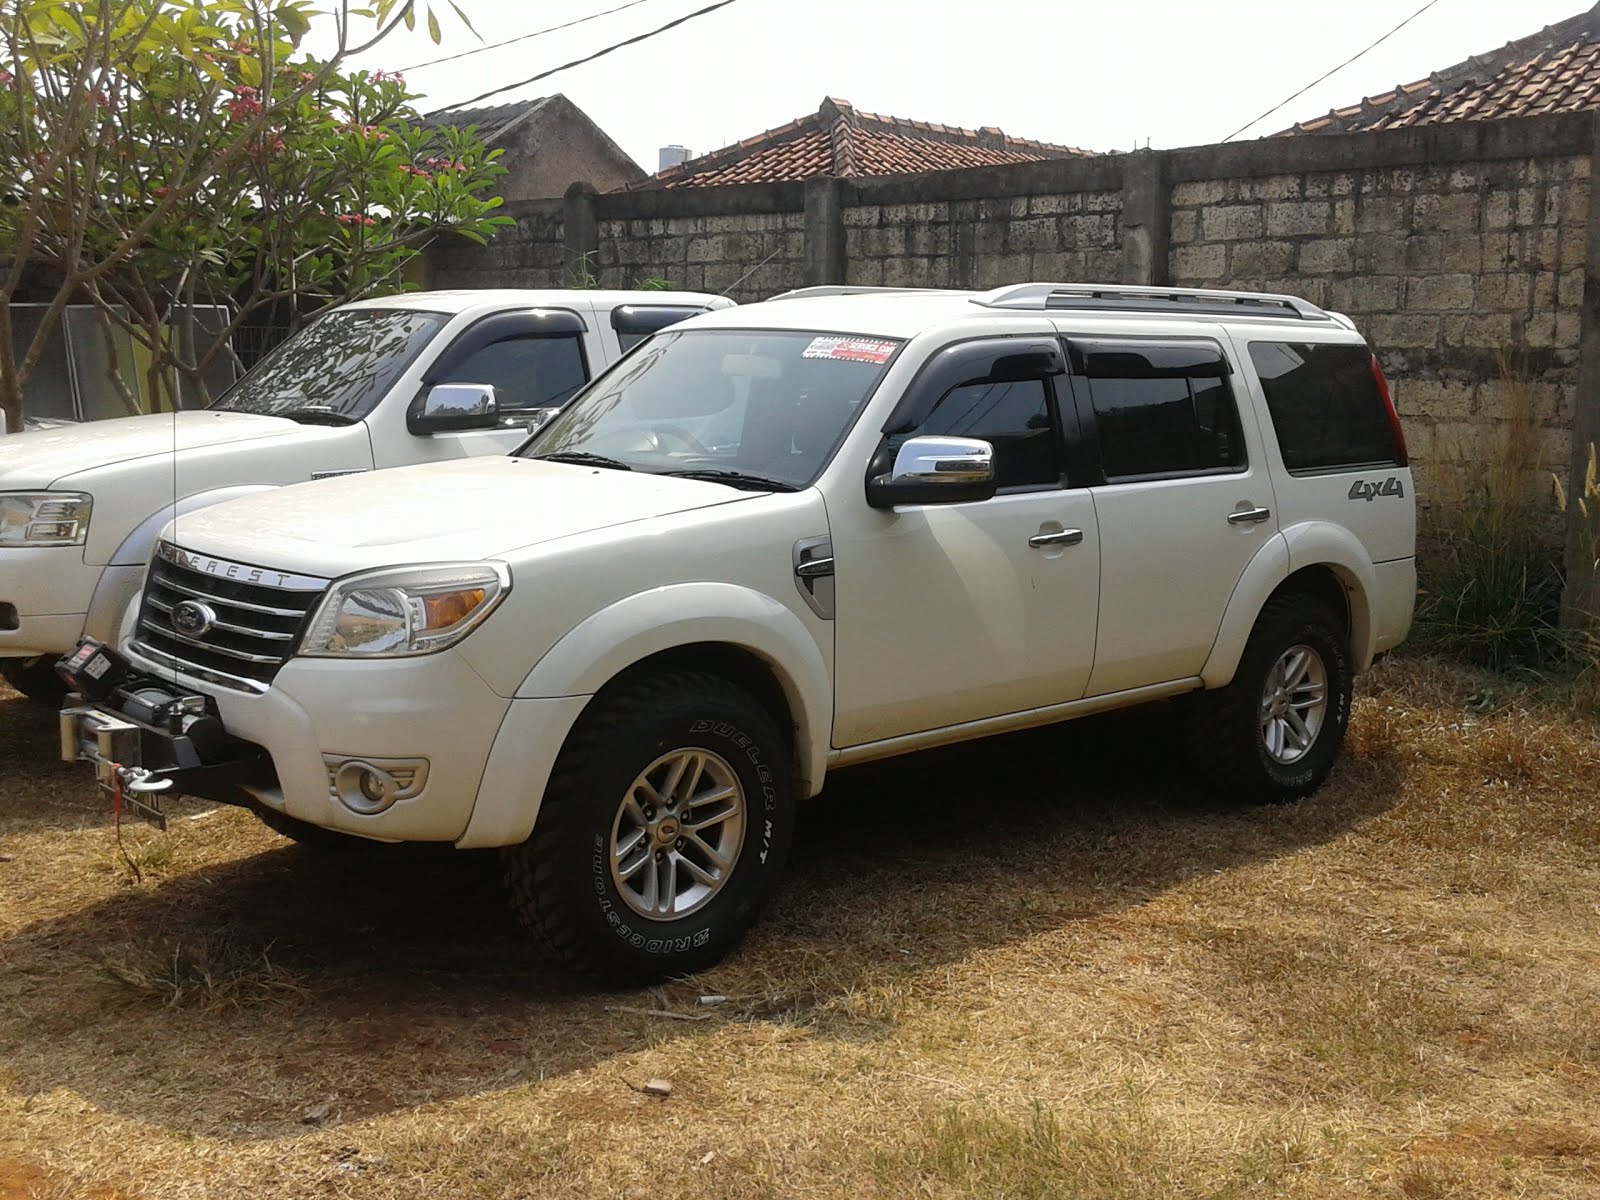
x=936 y=470
x=453 y=406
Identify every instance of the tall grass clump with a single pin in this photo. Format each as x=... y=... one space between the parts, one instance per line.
x=1491 y=574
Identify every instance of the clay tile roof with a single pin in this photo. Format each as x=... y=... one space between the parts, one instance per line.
x=839 y=140
x=1552 y=71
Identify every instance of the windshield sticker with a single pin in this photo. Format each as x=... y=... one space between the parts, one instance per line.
x=847 y=349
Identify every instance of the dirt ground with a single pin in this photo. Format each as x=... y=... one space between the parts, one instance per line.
x=1043 y=966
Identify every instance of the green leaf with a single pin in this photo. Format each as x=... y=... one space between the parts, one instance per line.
x=410 y=16
x=465 y=21
x=295 y=22
x=433 y=28
x=249 y=69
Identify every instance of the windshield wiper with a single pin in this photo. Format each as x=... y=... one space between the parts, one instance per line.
x=733 y=479
x=318 y=414
x=581 y=459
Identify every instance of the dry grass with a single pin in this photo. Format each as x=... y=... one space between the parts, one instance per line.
x=1042 y=967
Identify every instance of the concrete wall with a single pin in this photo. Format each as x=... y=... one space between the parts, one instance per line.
x=1452 y=246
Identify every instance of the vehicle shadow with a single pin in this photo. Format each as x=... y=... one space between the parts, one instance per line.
x=377 y=982
x=37 y=790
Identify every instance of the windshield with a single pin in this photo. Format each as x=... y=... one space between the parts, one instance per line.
x=747 y=406
x=337 y=368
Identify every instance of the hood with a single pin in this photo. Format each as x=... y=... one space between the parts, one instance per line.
x=37 y=458
x=462 y=509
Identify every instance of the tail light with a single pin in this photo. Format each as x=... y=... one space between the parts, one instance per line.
x=1402 y=458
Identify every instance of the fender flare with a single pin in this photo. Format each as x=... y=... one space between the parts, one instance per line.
x=1308 y=544
x=605 y=644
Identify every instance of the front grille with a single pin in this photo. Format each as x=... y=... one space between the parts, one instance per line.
x=230 y=623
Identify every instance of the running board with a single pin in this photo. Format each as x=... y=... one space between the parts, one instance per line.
x=1009 y=723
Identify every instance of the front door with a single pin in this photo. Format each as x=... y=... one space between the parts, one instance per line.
x=532 y=360
x=949 y=613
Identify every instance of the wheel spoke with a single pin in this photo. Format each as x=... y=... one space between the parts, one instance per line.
x=629 y=844
x=704 y=820
x=633 y=809
x=667 y=890
x=684 y=793
x=680 y=764
x=696 y=870
x=722 y=793
x=647 y=894
x=1297 y=726
x=717 y=858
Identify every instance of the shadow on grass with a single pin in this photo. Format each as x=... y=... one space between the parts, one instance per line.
x=37 y=790
x=404 y=981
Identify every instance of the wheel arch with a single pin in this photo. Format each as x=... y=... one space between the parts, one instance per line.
x=747 y=637
x=1316 y=559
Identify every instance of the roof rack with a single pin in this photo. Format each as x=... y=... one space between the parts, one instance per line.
x=844 y=289
x=1149 y=299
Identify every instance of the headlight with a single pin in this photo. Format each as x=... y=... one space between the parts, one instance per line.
x=405 y=611
x=44 y=518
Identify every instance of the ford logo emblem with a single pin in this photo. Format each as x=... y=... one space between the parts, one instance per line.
x=193 y=619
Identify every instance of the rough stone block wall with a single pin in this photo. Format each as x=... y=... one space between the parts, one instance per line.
x=983 y=243
x=1467 y=279
x=528 y=254
x=747 y=256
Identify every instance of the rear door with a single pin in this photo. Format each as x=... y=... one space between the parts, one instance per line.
x=1183 y=493
x=1335 y=432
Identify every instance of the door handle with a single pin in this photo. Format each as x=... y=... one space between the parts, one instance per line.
x=1248 y=516
x=1061 y=537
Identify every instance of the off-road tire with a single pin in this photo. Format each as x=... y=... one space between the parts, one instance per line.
x=1225 y=736
x=559 y=882
x=35 y=678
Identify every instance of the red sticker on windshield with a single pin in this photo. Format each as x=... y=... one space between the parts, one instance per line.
x=847 y=349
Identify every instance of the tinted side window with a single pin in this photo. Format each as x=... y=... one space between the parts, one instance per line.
x=526 y=372
x=1013 y=417
x=1161 y=410
x=635 y=322
x=1325 y=405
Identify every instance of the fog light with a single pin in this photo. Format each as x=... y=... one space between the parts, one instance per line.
x=371 y=785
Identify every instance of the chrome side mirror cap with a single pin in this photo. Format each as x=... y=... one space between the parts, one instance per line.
x=936 y=470
x=454 y=406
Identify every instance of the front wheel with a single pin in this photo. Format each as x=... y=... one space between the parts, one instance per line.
x=1273 y=733
x=35 y=678
x=663 y=830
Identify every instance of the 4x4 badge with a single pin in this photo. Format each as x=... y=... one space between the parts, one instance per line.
x=1363 y=490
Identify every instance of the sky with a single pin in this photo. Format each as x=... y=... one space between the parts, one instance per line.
x=1100 y=74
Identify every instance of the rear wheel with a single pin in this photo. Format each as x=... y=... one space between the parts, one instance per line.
x=1273 y=733
x=35 y=678
x=662 y=833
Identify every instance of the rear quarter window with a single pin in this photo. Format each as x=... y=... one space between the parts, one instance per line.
x=1325 y=404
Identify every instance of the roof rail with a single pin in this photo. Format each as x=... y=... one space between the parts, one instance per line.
x=844 y=289
x=1149 y=299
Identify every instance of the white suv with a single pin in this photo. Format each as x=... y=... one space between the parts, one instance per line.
x=378 y=383
x=834 y=527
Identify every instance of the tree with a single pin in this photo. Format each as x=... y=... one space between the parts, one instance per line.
x=166 y=154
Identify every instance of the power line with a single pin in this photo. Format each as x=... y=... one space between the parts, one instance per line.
x=433 y=62
x=578 y=62
x=1335 y=70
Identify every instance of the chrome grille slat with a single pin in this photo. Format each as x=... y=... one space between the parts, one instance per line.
x=244 y=651
x=270 y=635
x=207 y=596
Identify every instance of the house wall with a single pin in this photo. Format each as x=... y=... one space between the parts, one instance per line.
x=1461 y=250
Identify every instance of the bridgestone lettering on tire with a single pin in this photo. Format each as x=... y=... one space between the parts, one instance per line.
x=1272 y=734
x=688 y=769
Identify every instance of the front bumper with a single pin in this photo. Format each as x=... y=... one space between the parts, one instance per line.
x=320 y=713
x=45 y=593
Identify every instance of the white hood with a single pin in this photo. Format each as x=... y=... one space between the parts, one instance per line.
x=39 y=458
x=463 y=509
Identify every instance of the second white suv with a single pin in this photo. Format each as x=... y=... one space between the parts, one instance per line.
x=773 y=540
